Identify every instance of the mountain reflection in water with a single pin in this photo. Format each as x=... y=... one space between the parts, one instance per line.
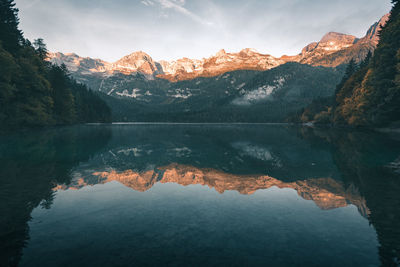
x=327 y=193
x=335 y=169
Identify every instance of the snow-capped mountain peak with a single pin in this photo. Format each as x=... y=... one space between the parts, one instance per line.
x=332 y=50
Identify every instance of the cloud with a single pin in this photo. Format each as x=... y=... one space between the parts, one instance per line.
x=32 y=3
x=172 y=29
x=147 y=3
x=178 y=6
x=179 y=2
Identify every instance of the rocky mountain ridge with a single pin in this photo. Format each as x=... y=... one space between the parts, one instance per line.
x=335 y=49
x=332 y=50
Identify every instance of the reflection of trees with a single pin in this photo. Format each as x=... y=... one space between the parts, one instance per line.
x=363 y=160
x=31 y=164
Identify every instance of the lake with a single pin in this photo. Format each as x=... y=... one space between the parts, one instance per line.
x=208 y=195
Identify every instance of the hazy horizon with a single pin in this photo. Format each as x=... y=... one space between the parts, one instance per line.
x=172 y=29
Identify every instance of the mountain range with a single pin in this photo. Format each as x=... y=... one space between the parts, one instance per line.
x=332 y=50
x=229 y=87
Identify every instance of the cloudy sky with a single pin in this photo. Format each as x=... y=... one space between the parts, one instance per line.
x=171 y=29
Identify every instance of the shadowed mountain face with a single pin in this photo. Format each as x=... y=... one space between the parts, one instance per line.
x=98 y=179
x=240 y=96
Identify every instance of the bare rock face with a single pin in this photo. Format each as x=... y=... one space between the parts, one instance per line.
x=332 y=50
x=136 y=62
x=373 y=32
x=309 y=48
x=75 y=63
x=247 y=59
x=335 y=49
x=185 y=67
x=181 y=69
x=336 y=41
x=315 y=53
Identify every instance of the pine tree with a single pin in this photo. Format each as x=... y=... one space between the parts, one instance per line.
x=383 y=93
x=10 y=36
x=41 y=48
x=64 y=106
x=350 y=69
x=8 y=67
x=32 y=91
x=371 y=95
x=366 y=60
x=33 y=100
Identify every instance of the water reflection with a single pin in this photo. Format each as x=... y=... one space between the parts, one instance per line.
x=370 y=162
x=332 y=168
x=31 y=164
x=327 y=193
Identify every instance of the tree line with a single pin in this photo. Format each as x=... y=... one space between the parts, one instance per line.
x=369 y=94
x=34 y=92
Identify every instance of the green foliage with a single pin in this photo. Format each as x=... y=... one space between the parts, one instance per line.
x=8 y=66
x=90 y=106
x=41 y=48
x=32 y=91
x=350 y=69
x=10 y=35
x=64 y=103
x=318 y=111
x=366 y=61
x=223 y=98
x=369 y=95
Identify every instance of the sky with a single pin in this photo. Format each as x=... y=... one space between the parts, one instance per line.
x=172 y=29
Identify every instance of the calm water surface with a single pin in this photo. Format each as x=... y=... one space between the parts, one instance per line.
x=211 y=195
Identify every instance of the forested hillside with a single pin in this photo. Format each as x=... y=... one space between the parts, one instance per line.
x=34 y=92
x=239 y=96
x=369 y=94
